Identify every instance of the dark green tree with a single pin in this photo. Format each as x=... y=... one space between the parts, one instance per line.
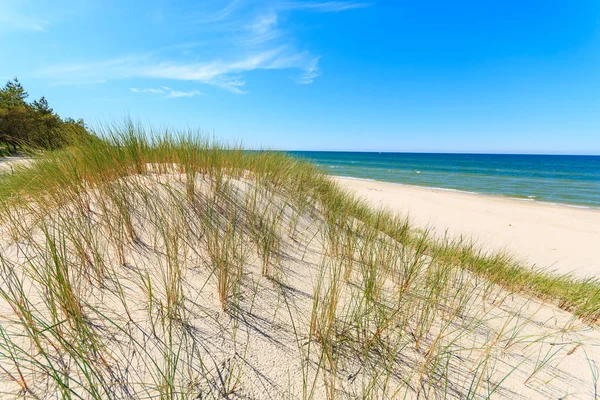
x=42 y=106
x=35 y=125
x=13 y=95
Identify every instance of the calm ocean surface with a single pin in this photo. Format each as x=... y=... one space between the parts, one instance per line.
x=573 y=180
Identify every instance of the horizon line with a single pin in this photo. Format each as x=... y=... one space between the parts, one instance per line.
x=444 y=152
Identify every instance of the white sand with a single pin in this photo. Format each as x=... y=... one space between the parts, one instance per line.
x=263 y=342
x=7 y=164
x=561 y=238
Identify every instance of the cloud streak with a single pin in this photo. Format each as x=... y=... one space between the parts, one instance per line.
x=168 y=93
x=248 y=36
x=310 y=73
x=13 y=18
x=328 y=6
x=223 y=74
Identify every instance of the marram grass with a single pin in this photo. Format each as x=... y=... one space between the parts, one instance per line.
x=148 y=265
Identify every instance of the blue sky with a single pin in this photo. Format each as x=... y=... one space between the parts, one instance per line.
x=463 y=76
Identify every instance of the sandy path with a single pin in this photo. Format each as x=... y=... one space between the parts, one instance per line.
x=561 y=238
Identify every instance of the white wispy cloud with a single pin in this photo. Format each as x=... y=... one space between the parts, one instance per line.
x=154 y=91
x=248 y=35
x=12 y=17
x=176 y=93
x=327 y=6
x=167 y=92
x=262 y=30
x=222 y=13
x=310 y=72
x=224 y=74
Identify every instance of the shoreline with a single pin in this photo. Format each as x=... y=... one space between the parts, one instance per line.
x=553 y=237
x=468 y=192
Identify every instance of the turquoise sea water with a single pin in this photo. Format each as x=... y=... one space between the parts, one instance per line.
x=572 y=180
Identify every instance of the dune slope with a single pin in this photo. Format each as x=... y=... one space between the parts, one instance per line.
x=140 y=270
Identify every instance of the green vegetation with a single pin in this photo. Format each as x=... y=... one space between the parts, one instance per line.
x=147 y=265
x=32 y=126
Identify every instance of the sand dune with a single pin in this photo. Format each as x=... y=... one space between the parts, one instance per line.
x=262 y=345
x=560 y=238
x=165 y=269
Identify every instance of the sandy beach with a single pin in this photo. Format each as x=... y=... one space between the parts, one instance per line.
x=247 y=291
x=300 y=199
x=554 y=237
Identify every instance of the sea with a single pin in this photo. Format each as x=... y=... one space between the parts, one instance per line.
x=557 y=179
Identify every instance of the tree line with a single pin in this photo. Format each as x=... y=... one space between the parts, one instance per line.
x=33 y=125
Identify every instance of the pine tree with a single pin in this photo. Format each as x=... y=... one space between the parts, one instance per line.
x=33 y=125
x=42 y=106
x=13 y=95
